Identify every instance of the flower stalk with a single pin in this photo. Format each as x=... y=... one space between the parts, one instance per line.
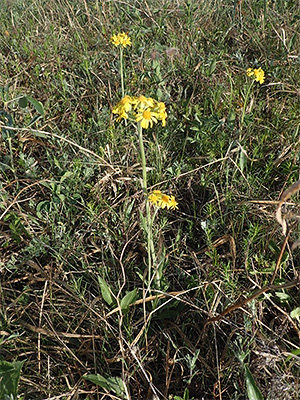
x=122 y=72
x=149 y=221
x=144 y=112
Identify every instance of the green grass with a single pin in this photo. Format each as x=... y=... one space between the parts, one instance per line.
x=71 y=199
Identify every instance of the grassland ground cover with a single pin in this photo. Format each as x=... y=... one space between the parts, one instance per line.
x=83 y=314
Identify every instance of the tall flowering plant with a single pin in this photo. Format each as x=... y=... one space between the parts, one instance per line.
x=144 y=112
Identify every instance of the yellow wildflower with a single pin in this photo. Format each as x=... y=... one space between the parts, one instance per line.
x=143 y=109
x=154 y=197
x=121 y=39
x=258 y=74
x=250 y=72
x=162 y=114
x=123 y=107
x=146 y=118
x=162 y=200
x=143 y=102
x=172 y=203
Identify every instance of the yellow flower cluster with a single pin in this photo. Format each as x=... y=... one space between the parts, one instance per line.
x=162 y=200
x=258 y=74
x=144 y=110
x=121 y=39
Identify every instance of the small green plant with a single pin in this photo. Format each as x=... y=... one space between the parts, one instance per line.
x=9 y=379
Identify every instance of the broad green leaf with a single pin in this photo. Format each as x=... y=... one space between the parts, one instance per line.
x=23 y=101
x=112 y=384
x=9 y=378
x=295 y=314
x=282 y=296
x=231 y=116
x=252 y=390
x=128 y=299
x=37 y=105
x=105 y=291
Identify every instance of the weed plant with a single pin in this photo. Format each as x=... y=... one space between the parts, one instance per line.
x=83 y=311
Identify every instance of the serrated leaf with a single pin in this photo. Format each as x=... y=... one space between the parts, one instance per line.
x=37 y=105
x=112 y=384
x=128 y=299
x=23 y=101
x=105 y=291
x=252 y=389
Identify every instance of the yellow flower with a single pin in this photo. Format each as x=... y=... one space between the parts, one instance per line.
x=146 y=118
x=258 y=74
x=143 y=109
x=162 y=114
x=154 y=197
x=123 y=107
x=143 y=102
x=250 y=72
x=162 y=200
x=172 y=203
x=121 y=39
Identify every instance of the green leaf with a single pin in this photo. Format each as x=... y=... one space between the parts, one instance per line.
x=295 y=314
x=37 y=105
x=112 y=384
x=9 y=378
x=243 y=160
x=212 y=67
x=231 y=116
x=128 y=299
x=65 y=176
x=293 y=353
x=34 y=119
x=282 y=296
x=105 y=291
x=252 y=390
x=43 y=205
x=23 y=101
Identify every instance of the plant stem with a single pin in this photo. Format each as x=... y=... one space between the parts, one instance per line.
x=245 y=105
x=122 y=71
x=150 y=244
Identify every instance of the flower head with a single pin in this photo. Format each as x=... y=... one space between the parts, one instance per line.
x=146 y=118
x=143 y=102
x=258 y=74
x=162 y=113
x=162 y=200
x=121 y=39
x=142 y=109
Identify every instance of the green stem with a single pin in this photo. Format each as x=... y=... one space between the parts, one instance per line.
x=122 y=71
x=245 y=105
x=150 y=244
